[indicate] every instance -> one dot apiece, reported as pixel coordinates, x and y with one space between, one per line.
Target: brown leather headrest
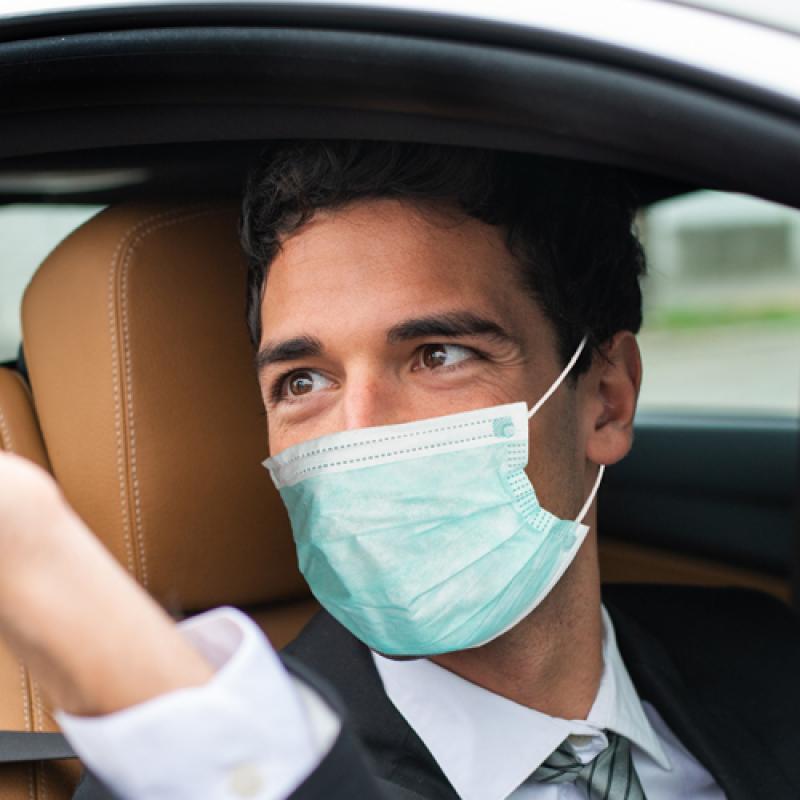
143 380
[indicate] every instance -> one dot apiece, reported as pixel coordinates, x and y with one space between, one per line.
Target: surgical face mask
427 537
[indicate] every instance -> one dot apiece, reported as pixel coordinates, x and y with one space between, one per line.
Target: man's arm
93 638
106 653
342 775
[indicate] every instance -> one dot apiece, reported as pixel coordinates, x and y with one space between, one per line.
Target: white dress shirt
488 746
250 732
255 732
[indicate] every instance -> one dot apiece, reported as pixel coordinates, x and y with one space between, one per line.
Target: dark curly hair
569 224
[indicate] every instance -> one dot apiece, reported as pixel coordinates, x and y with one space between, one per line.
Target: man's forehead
381 258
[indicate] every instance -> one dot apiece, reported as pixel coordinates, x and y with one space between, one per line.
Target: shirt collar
487 745
617 705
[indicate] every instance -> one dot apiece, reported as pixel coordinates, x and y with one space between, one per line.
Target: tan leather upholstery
22 706
19 428
144 385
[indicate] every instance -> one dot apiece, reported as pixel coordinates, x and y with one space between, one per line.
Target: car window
27 234
722 305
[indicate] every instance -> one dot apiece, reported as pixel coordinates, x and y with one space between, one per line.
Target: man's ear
612 392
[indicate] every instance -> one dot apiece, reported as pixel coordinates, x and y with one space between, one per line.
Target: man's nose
372 400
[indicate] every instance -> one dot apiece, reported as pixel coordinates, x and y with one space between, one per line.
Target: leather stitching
26 709
115 381
38 717
41 773
37 707
5 434
8 445
26 715
29 394
37 779
6 441
135 237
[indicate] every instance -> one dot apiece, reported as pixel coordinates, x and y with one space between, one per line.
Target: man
412 307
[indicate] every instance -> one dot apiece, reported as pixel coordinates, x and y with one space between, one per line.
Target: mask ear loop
590 499
544 398
559 380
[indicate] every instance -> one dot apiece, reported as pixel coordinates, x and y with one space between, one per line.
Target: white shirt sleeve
252 731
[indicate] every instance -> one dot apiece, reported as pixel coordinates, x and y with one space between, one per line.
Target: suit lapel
398 753
704 721
733 707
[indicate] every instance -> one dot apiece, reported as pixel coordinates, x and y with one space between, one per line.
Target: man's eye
303 382
433 356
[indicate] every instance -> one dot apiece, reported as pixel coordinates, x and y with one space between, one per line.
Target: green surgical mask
427 537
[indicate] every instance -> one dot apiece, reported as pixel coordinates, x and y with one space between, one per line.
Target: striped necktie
608 776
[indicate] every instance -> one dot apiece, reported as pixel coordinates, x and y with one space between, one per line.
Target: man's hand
94 639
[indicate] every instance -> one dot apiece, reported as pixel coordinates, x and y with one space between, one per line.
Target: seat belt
18 747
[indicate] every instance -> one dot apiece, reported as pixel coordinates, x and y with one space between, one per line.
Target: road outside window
722 306
27 234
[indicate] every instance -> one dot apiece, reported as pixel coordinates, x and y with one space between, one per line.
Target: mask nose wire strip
546 396
590 499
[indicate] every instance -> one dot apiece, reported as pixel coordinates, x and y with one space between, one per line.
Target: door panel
707 497
622 562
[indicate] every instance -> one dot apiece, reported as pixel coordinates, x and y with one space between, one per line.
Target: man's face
383 312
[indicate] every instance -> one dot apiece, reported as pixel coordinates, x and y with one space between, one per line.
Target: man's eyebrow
288 350
450 324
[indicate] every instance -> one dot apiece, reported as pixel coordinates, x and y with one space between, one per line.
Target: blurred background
719 336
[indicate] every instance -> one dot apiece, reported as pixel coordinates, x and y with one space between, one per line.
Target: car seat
146 394
22 705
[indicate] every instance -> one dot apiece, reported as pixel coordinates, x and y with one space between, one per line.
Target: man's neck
552 661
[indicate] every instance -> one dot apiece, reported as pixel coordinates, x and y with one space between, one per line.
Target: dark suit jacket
722 666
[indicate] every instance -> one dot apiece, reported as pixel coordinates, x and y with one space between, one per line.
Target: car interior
134 384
